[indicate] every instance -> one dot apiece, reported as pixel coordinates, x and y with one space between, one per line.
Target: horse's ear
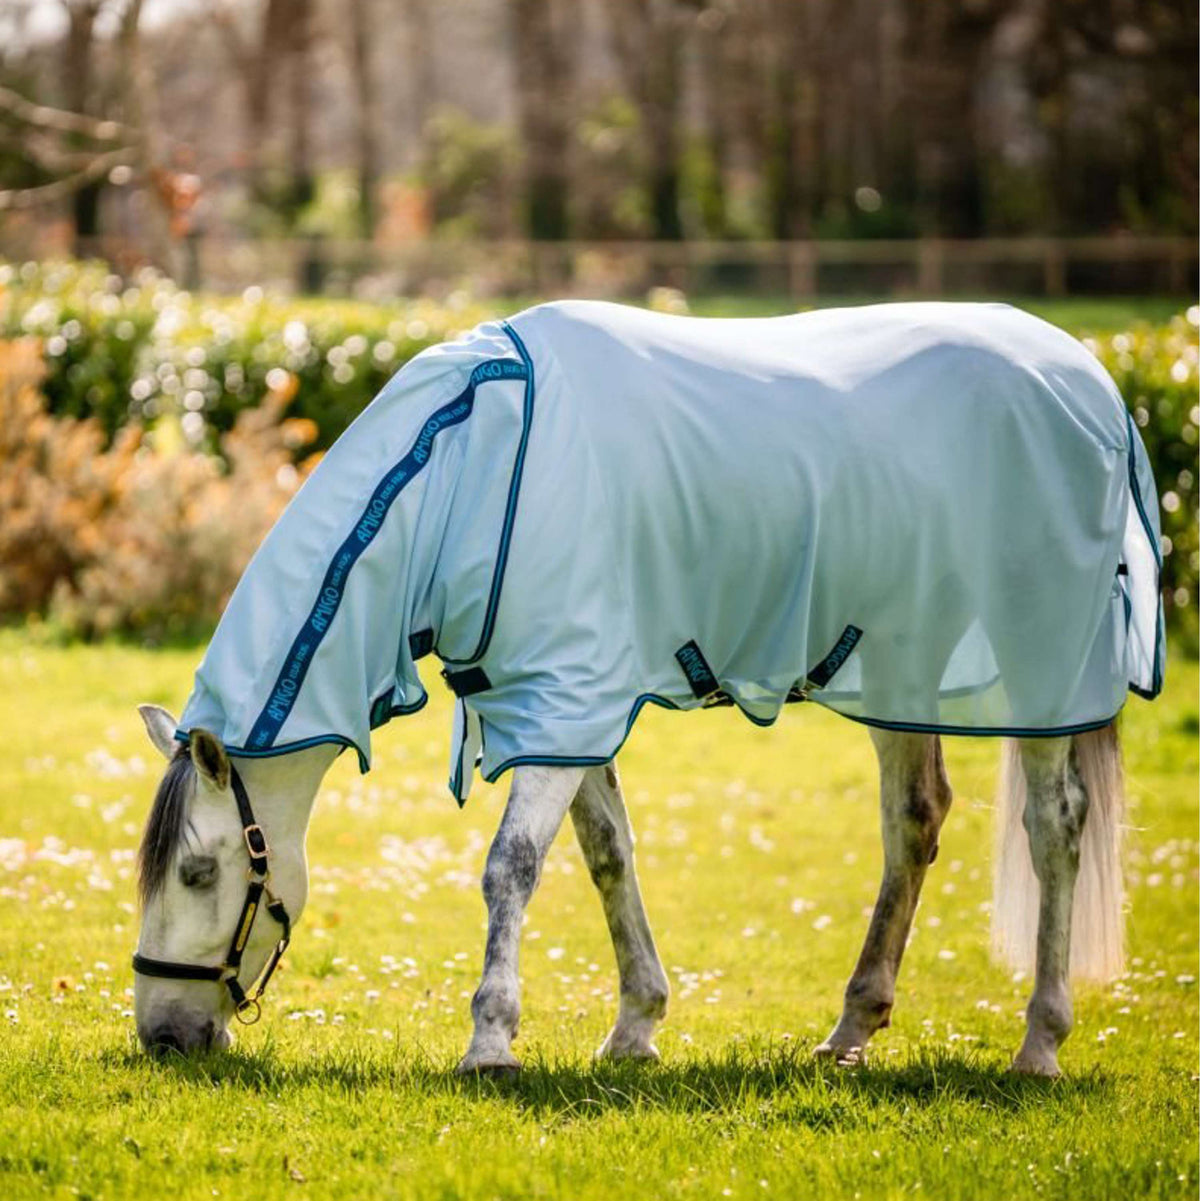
210 759
160 725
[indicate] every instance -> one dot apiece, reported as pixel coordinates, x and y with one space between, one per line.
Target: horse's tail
1097 923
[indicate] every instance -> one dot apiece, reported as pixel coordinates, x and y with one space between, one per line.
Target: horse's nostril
163 1041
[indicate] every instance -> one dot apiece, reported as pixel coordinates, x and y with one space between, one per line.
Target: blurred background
518 147
224 225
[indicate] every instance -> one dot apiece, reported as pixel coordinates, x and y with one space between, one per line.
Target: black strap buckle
467 682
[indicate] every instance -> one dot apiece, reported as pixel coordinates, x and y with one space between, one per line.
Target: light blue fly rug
932 517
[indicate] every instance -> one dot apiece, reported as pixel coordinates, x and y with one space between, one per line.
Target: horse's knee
607 848
608 857
511 872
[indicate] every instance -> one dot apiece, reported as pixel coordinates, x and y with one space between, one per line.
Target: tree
277 50
543 37
648 40
946 51
77 83
365 104
794 79
72 150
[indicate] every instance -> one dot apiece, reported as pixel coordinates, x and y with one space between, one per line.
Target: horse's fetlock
654 1001
869 999
497 1005
1052 1014
647 996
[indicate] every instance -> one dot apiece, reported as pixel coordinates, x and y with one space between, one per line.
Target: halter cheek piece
247 1009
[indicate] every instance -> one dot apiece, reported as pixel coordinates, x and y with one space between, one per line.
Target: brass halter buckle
256 841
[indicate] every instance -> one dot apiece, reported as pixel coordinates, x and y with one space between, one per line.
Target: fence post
929 266
1054 268
802 270
1176 269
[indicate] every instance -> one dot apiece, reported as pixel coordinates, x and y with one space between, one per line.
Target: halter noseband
247 1009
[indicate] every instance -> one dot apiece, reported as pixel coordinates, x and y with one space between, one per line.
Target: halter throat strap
247 1007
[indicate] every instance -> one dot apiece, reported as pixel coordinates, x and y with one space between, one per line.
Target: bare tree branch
45 117
25 198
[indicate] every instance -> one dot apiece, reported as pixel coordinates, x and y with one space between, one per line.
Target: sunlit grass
758 854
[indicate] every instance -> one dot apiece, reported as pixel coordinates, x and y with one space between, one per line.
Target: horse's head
203 854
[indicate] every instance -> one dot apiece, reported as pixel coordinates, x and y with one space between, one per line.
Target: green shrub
1156 370
149 351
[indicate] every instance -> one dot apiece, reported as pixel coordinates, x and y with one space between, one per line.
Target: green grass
758 851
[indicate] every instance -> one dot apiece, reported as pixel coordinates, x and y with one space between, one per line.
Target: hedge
149 353
147 350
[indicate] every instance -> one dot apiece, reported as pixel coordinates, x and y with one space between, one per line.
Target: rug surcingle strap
700 676
824 671
467 682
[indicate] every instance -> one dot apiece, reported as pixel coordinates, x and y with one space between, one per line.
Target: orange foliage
131 538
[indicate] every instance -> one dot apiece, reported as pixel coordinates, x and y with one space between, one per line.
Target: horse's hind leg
606 839
536 807
915 797
1055 810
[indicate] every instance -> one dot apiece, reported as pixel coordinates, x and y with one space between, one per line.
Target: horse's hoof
614 1048
498 1065
844 1057
1032 1064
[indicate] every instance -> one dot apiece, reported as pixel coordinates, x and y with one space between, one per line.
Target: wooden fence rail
800 270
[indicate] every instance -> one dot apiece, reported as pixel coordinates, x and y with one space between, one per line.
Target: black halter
247 1009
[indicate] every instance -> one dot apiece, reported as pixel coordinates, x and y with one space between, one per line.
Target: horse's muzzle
175 1034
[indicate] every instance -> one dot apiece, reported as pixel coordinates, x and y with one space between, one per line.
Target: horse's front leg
536 807
915 796
606 839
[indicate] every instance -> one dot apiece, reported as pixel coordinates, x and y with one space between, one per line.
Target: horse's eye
198 871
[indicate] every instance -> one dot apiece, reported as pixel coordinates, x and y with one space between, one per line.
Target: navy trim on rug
304 744
510 509
1157 671
903 727
299 658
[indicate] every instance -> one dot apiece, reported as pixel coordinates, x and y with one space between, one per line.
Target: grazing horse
931 518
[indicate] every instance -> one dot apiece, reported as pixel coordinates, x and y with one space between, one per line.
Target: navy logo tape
333 587
510 509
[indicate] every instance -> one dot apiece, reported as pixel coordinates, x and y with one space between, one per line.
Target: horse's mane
164 826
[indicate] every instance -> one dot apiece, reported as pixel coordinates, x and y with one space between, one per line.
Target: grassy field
759 855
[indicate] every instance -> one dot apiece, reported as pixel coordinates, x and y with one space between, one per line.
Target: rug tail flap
1141 554
466 750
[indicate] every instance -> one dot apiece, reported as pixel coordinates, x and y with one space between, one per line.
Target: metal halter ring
249 1005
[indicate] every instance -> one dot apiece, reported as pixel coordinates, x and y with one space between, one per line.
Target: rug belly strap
467 682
